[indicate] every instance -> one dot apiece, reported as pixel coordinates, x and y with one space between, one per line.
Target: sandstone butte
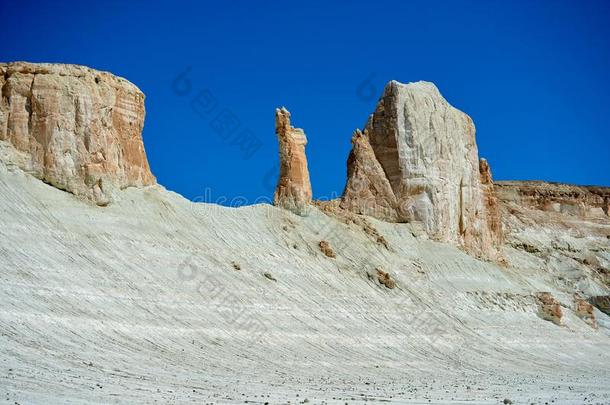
76 128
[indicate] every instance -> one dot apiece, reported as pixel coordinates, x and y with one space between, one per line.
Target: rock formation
492 204
584 310
550 308
426 151
602 302
293 191
385 279
566 227
368 191
75 128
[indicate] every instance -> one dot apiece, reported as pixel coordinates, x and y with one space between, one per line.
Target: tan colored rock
73 127
566 226
559 200
293 191
326 249
584 310
368 191
492 204
385 279
549 308
426 151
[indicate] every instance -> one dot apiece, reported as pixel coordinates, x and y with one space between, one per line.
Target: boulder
549 308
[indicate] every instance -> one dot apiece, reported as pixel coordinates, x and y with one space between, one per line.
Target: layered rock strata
75 128
561 228
293 191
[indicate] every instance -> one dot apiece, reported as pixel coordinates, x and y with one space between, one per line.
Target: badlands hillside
426 282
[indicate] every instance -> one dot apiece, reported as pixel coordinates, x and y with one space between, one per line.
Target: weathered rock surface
385 279
428 154
565 227
602 303
75 128
492 204
550 308
584 310
368 191
558 199
327 249
293 191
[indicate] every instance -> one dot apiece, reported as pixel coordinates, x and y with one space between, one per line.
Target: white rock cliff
428 152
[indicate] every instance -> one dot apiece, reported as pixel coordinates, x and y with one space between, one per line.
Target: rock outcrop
584 310
492 204
75 128
293 191
549 308
602 302
368 191
425 150
566 227
557 199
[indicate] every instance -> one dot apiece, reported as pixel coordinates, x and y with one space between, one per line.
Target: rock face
75 128
558 199
425 150
602 303
549 308
565 227
368 191
293 191
584 310
492 204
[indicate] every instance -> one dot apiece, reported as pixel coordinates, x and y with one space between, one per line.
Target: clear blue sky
534 76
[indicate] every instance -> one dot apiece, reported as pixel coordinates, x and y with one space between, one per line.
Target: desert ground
156 299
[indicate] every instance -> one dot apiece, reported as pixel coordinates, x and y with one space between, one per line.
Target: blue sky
533 75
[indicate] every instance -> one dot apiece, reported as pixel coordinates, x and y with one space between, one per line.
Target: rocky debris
584 310
385 279
326 249
333 209
426 151
368 191
602 302
293 191
76 128
549 308
236 265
